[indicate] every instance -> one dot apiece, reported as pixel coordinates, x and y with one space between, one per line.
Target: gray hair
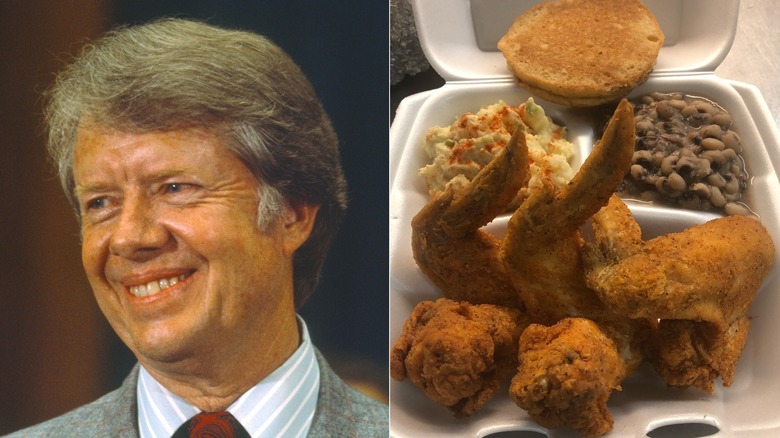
176 74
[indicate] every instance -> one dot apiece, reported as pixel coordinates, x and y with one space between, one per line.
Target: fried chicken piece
708 272
458 353
692 353
541 248
447 242
566 374
542 254
699 283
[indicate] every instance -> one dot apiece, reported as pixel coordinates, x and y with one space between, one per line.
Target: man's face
171 247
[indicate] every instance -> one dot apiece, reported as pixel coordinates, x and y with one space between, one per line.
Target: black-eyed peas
686 155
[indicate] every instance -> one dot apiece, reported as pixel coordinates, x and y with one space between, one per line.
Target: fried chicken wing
458 353
699 283
541 249
542 254
447 242
566 374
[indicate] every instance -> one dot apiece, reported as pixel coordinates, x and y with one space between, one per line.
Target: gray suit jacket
341 412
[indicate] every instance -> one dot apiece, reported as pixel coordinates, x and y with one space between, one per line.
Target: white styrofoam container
458 37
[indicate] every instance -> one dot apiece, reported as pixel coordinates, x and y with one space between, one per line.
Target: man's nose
138 233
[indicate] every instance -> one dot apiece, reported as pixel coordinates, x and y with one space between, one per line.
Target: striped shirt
282 404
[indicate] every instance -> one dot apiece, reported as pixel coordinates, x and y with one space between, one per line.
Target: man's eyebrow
153 177
90 188
167 173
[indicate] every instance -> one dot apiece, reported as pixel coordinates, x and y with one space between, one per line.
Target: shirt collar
282 404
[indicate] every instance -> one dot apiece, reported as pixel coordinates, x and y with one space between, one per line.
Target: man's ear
298 222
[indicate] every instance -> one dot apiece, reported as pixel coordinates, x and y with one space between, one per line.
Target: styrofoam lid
459 37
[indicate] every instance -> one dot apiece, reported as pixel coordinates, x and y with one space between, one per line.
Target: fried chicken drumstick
542 254
699 283
458 353
567 372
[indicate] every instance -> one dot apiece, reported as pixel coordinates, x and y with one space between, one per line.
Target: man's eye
96 204
176 187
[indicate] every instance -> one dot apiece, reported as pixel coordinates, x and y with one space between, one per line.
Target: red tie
211 425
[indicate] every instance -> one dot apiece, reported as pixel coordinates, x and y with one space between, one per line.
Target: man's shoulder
113 414
343 410
370 417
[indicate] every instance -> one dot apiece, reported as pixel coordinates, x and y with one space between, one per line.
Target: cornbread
582 52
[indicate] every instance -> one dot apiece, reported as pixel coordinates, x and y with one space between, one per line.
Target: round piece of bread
583 52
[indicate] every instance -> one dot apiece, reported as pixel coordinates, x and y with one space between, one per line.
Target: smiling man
206 179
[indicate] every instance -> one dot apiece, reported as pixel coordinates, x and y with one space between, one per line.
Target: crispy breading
693 353
699 282
542 254
541 248
566 373
447 242
458 353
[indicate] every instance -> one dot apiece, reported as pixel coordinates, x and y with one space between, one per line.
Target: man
206 179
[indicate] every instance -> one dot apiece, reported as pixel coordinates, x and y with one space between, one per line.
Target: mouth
156 286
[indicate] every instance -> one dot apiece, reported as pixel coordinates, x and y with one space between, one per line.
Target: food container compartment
747 408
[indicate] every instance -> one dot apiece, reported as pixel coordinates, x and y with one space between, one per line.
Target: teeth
153 287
